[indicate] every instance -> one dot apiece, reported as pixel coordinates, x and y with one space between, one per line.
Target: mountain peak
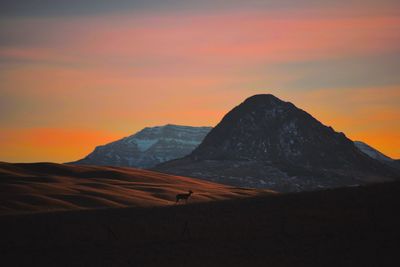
176 126
265 101
262 127
266 98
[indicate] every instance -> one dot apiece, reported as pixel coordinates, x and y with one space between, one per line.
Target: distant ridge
372 152
269 143
148 147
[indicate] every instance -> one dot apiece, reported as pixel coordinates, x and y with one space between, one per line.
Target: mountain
269 143
148 147
372 152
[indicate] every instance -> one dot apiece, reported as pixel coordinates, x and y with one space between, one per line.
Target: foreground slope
269 143
49 186
148 147
355 226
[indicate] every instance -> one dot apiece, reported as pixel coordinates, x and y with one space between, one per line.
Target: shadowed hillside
48 186
355 226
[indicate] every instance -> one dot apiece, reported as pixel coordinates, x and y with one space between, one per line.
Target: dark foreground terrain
356 226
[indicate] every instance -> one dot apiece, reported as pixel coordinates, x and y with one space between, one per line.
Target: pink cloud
239 38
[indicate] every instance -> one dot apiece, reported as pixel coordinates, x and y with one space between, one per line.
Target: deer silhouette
183 196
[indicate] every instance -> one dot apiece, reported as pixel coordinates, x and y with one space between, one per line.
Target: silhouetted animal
183 196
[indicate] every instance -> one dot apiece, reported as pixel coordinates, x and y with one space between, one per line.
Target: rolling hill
39 187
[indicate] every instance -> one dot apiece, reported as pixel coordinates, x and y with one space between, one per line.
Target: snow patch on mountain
144 144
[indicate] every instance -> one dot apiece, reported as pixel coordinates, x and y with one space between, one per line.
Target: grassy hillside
40 187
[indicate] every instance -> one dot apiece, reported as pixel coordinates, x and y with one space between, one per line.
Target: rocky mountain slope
268 143
147 148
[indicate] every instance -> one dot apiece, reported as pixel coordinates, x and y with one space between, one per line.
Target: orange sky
71 82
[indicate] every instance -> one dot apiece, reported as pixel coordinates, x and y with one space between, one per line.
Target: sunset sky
76 74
